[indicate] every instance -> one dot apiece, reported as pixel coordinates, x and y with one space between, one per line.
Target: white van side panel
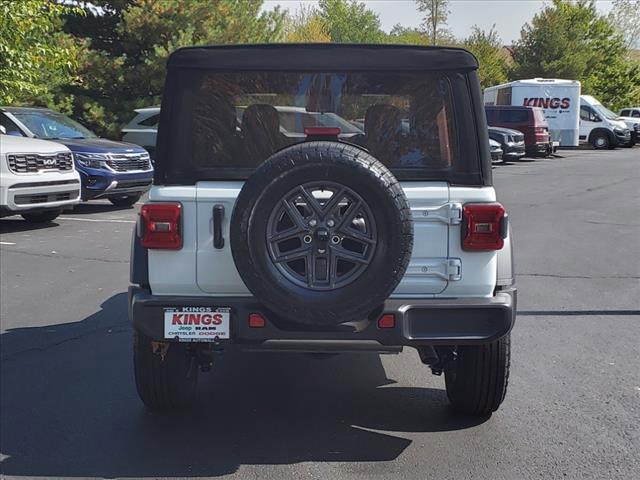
559 99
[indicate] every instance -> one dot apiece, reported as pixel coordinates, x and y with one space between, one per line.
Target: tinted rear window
513 116
151 121
224 124
497 116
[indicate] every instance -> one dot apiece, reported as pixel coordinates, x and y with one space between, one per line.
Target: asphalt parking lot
69 406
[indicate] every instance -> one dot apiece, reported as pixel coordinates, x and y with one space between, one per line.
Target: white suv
330 241
37 178
143 129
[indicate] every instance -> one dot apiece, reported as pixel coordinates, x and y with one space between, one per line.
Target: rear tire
477 379
125 201
41 217
165 380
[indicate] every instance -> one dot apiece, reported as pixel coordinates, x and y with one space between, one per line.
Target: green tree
571 40
610 74
35 56
488 49
306 25
554 44
124 67
408 36
625 17
436 14
350 21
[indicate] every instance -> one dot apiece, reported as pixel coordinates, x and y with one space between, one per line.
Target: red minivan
529 120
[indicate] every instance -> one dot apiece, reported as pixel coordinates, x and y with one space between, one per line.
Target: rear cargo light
484 226
322 131
388 320
256 320
160 223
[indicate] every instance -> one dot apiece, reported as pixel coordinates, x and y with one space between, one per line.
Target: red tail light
161 226
540 129
484 226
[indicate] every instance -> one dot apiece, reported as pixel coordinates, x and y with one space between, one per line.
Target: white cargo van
599 126
559 99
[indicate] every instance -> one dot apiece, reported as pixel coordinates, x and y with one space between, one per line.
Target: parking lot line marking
7 243
95 220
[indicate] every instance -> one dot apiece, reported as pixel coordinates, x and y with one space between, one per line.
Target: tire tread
478 379
163 384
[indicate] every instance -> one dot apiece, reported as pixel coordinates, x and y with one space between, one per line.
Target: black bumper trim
452 321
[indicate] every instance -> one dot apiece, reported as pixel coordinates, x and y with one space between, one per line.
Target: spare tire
321 233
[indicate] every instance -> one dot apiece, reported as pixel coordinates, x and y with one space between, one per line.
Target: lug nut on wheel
335 239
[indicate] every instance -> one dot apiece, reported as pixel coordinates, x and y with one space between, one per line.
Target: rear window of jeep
226 123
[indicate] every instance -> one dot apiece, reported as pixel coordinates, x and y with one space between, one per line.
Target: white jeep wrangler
322 198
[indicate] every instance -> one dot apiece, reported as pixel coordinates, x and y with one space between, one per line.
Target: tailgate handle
218 215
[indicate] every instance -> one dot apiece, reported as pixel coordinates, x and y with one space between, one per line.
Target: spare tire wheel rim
321 235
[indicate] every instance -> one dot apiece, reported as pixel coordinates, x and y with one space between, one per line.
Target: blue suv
121 172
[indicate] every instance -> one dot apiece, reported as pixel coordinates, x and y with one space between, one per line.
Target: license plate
197 324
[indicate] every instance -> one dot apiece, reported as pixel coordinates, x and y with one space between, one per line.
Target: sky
508 15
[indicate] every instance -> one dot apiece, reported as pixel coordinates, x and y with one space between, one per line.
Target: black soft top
323 57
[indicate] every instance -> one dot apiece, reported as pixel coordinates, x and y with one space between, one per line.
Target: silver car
143 129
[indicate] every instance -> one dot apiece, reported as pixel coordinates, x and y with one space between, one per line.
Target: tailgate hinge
454 269
449 213
449 269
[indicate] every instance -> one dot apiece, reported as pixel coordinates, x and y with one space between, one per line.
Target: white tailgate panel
172 272
216 271
430 243
479 269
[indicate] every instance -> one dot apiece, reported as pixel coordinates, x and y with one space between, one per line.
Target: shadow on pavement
87 208
17 225
69 408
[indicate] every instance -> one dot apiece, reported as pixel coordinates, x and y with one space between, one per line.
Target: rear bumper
539 148
513 151
454 321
